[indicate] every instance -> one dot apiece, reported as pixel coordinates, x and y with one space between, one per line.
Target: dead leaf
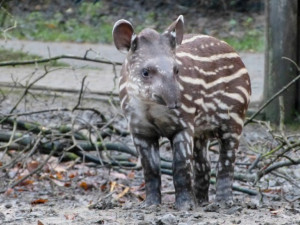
252 157
131 175
9 191
26 182
84 185
39 223
67 184
89 173
118 175
59 175
58 182
71 217
72 175
39 201
142 186
32 165
103 187
275 212
60 169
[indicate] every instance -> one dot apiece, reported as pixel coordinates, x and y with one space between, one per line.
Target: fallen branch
275 166
35 61
47 145
42 88
37 128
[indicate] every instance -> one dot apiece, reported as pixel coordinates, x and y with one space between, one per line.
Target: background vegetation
238 22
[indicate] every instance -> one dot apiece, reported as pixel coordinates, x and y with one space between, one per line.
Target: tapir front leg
182 170
149 150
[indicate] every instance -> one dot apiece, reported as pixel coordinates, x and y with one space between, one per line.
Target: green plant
253 40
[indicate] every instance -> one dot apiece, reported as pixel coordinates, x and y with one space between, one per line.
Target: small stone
8 205
251 205
234 210
36 214
168 219
213 207
185 214
127 205
197 215
140 216
145 223
236 221
203 223
2 216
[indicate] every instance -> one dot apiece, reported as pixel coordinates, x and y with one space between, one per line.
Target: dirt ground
84 193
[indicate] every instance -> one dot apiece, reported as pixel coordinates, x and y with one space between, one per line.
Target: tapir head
150 69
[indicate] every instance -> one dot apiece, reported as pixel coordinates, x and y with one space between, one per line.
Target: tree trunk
282 40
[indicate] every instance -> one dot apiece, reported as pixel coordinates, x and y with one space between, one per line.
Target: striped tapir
188 88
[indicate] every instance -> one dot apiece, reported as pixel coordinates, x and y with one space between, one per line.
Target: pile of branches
91 140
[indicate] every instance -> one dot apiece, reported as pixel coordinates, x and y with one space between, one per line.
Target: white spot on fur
181 88
123 100
190 110
232 144
182 123
178 62
231 135
229 153
227 79
227 162
194 38
188 97
237 118
191 126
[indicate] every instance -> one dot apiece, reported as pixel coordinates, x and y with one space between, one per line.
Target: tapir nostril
178 105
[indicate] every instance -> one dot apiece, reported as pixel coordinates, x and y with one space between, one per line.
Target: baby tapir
188 88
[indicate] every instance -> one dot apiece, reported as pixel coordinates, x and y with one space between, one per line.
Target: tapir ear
122 34
176 29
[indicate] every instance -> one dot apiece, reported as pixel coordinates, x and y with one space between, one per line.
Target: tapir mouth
161 101
176 105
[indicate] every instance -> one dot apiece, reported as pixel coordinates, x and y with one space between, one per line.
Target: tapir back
214 82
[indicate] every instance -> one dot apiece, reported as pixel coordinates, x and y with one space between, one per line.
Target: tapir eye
145 72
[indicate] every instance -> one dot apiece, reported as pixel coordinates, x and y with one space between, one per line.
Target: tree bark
282 22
